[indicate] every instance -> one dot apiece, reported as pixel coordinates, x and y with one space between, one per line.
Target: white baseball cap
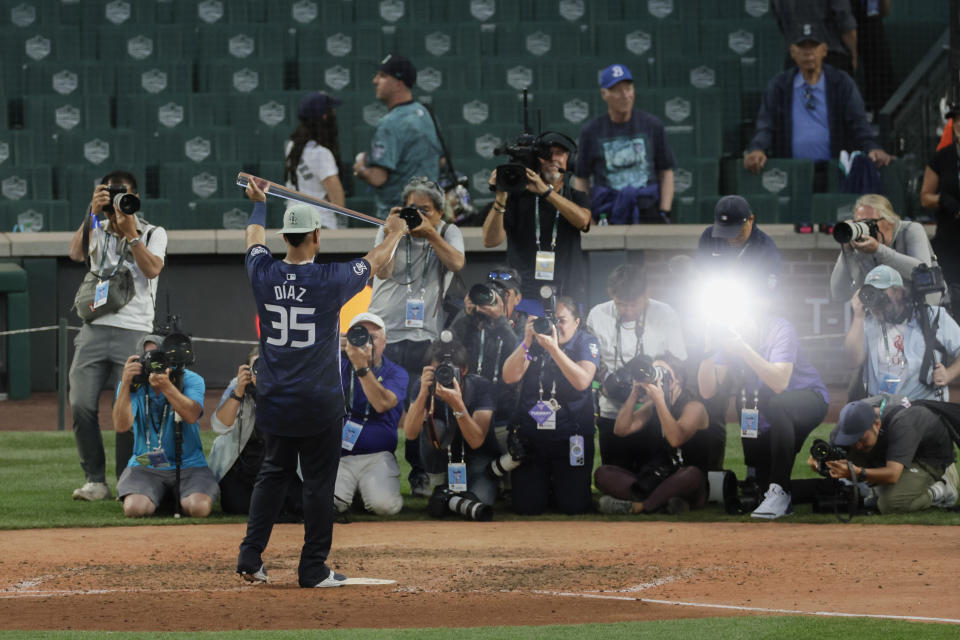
300 218
366 316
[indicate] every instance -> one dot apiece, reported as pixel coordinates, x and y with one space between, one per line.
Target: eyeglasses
808 96
425 181
499 275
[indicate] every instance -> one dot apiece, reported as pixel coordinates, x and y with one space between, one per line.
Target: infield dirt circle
454 574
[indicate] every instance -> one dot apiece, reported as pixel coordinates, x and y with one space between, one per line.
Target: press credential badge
351 433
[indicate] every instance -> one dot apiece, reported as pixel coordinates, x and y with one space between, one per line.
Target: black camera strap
409 262
639 329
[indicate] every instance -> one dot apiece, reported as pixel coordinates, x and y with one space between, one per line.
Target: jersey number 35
289 322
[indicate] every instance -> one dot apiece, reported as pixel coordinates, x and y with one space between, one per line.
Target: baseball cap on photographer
400 68
300 218
366 316
883 277
855 420
313 105
729 215
613 74
505 277
807 32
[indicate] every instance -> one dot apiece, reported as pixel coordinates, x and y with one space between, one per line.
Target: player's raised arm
394 228
256 225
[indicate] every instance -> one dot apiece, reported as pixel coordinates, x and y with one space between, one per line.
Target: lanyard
151 425
617 360
743 398
121 255
366 410
409 268
543 367
536 225
463 454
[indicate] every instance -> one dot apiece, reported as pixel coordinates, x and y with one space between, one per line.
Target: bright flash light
723 301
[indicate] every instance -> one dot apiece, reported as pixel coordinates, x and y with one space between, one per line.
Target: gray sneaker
92 491
333 579
258 576
951 482
613 506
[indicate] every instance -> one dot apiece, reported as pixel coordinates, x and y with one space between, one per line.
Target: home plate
366 581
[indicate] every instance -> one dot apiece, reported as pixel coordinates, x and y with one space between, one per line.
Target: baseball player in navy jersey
299 396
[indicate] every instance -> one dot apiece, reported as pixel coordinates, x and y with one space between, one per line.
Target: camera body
617 385
855 230
514 457
823 452
465 504
925 280
153 361
122 201
544 324
411 215
446 371
358 336
872 298
524 152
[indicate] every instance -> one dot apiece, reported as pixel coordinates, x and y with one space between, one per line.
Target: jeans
98 359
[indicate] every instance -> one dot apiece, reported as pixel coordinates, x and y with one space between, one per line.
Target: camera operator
375 389
781 398
903 450
554 416
488 328
899 340
899 244
629 324
734 242
664 417
542 225
460 416
237 453
174 394
408 290
124 255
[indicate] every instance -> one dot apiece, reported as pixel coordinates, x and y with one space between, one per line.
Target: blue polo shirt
379 429
811 127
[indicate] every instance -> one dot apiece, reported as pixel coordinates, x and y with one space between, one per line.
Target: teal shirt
406 145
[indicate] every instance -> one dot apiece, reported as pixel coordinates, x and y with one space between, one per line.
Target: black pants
319 459
548 479
409 355
236 491
792 416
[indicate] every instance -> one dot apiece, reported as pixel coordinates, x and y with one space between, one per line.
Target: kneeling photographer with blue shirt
162 401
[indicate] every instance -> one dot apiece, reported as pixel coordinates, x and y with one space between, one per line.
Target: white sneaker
92 491
611 505
776 503
333 579
951 485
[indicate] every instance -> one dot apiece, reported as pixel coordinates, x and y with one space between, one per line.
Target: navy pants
547 479
319 458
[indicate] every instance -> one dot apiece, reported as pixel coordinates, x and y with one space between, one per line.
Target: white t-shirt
137 314
316 165
661 333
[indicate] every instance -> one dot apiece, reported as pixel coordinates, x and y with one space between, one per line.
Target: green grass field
39 470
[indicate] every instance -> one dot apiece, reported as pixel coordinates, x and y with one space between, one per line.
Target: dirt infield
454 573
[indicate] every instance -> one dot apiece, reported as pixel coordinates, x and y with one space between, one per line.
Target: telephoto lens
482 295
445 374
358 335
543 326
852 231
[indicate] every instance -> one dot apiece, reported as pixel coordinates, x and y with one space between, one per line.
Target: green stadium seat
447 73
44 43
519 73
498 13
194 13
154 77
102 148
425 42
245 42
694 182
542 40
25 183
124 15
67 78
149 113
47 115
157 211
272 170
39 215
214 212
758 44
17 148
338 76
631 43
188 144
187 182
691 119
299 14
831 207
145 44
241 76
767 208
895 177
791 181
33 13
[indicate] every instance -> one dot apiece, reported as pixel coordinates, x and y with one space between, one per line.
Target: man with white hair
374 389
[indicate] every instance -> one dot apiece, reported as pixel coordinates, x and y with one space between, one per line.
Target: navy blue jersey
298 382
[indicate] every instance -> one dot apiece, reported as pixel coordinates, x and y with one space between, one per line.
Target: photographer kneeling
171 406
904 450
666 416
237 453
458 439
555 364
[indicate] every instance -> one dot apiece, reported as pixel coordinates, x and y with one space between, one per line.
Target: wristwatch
459 414
862 476
546 194
236 397
134 242
362 371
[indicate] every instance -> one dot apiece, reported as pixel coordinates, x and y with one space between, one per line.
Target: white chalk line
733 607
6 594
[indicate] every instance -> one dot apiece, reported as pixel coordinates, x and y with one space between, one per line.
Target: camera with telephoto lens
513 458
122 201
358 335
855 230
153 361
617 385
446 371
925 280
411 215
544 324
823 452
483 295
872 298
464 503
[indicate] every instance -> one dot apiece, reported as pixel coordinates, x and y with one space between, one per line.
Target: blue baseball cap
613 74
314 105
883 277
855 420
